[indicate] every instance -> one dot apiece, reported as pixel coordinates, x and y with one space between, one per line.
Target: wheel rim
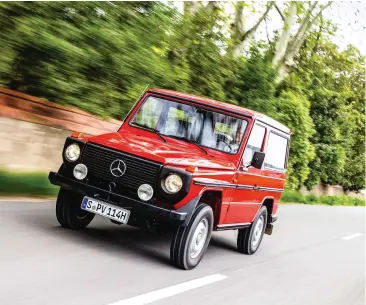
199 238
257 232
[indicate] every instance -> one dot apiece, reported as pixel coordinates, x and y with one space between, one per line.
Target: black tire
180 252
246 236
68 211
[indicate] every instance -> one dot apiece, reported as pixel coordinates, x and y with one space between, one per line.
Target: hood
173 152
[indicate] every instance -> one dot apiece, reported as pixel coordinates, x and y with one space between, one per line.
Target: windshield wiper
189 141
151 129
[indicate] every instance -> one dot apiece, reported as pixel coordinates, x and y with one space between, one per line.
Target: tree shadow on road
218 241
125 239
114 240
109 238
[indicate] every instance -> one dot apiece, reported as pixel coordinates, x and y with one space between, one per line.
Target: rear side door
243 205
273 173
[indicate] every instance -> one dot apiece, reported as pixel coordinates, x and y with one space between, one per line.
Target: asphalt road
315 256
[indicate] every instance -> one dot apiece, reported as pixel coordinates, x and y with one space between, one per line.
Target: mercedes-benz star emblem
118 168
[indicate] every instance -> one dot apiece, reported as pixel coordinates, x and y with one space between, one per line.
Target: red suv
181 163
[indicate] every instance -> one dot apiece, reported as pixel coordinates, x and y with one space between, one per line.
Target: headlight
173 183
145 192
80 171
72 152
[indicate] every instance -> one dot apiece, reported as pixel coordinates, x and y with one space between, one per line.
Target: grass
26 184
297 197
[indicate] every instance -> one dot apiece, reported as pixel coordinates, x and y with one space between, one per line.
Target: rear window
276 152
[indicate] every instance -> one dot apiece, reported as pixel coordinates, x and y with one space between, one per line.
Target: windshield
204 127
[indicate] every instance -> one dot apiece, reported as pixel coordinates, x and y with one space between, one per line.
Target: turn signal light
76 134
191 169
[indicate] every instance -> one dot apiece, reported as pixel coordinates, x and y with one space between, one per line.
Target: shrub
356 201
292 196
312 199
297 197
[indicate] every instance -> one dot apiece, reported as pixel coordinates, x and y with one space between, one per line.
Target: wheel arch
213 198
210 196
268 202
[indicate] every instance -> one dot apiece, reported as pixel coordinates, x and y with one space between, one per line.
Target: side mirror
258 159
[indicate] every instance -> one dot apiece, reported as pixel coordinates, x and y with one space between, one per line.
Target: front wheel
249 239
68 211
190 243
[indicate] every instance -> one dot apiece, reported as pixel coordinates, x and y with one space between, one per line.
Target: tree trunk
191 7
237 27
286 63
282 43
243 37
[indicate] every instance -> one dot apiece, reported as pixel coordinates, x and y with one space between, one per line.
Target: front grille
98 159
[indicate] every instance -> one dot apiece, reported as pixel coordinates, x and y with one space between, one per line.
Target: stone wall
331 190
33 131
26 146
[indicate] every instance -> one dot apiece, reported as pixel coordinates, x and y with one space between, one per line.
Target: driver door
243 206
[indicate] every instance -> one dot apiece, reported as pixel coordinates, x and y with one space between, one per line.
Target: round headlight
173 183
80 171
72 152
145 192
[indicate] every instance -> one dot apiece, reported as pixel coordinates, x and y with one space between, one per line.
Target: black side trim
224 185
244 186
270 189
233 226
238 186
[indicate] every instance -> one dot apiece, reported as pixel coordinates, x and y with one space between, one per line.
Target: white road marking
348 237
167 292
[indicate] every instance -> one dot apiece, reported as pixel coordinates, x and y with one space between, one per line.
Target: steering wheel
222 138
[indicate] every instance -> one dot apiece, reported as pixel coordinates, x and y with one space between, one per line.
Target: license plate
105 209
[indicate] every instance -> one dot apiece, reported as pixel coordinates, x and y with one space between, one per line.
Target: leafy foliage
99 56
334 83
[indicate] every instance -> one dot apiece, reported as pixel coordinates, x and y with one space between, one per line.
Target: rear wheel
190 243
249 239
68 211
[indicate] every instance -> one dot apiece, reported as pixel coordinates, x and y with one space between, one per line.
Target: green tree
333 81
252 85
199 44
96 56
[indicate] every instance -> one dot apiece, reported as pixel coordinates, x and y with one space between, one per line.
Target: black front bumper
140 211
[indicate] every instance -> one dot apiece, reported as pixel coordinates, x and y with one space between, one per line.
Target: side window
276 152
254 143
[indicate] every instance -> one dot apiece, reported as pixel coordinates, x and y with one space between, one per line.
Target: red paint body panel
214 171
